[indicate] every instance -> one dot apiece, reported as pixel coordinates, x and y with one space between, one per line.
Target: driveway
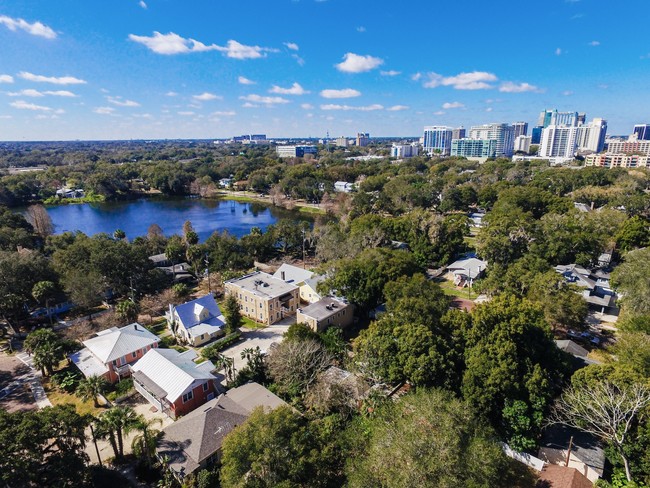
262 338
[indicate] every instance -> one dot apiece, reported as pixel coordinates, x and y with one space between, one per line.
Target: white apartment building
591 137
522 143
503 133
437 140
559 143
404 150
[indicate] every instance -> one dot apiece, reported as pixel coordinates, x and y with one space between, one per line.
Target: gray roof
585 447
195 437
88 364
202 314
115 343
472 266
292 274
323 308
173 372
263 285
572 348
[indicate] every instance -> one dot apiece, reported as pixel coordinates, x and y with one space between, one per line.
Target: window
245 299
260 305
260 316
271 306
206 386
188 396
134 354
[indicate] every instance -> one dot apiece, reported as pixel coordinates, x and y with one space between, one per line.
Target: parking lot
15 392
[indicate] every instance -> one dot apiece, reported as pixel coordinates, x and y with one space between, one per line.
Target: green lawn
59 397
450 289
312 210
251 324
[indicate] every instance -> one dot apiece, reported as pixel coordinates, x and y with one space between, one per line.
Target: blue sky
216 68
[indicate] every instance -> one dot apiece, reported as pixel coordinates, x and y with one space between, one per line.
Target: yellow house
306 280
326 312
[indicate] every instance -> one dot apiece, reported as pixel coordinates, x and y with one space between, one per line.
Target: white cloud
294 89
416 76
489 109
439 112
142 4
355 63
174 44
398 108
292 45
361 29
104 110
6 79
61 80
299 60
228 113
307 106
390 73
245 81
265 100
187 113
122 103
344 93
206 96
23 105
567 93
6 117
29 92
36 29
558 51
475 80
171 94
250 105
366 108
449 105
511 87
594 43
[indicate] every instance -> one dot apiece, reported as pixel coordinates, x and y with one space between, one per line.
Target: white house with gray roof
197 321
306 280
111 351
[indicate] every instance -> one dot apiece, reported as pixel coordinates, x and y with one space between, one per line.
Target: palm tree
47 348
144 444
228 366
117 423
91 387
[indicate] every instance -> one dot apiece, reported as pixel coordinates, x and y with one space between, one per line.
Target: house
179 271
196 322
194 442
477 219
597 290
343 187
326 312
69 193
172 382
587 454
264 298
466 270
572 348
306 280
110 353
554 476
226 182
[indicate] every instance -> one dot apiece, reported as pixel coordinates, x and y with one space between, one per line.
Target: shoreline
252 197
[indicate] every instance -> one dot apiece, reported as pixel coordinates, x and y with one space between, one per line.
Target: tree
43 447
295 365
119 234
43 292
127 310
40 220
116 423
233 314
91 388
632 281
606 410
48 349
426 439
634 233
144 444
268 450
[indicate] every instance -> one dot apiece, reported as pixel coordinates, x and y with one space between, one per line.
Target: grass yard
59 397
450 289
251 324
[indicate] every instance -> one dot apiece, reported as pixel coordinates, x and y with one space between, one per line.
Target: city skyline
301 68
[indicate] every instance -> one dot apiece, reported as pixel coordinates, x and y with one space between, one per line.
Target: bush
211 351
120 389
66 380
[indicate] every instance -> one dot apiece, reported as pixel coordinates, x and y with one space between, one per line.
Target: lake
135 217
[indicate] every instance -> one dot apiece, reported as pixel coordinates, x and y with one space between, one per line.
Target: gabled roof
292 274
585 447
473 266
572 348
189 313
115 343
173 372
197 436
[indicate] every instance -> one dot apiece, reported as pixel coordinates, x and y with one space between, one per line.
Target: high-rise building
642 132
404 150
631 146
341 141
295 151
522 143
437 140
503 133
520 128
591 137
474 148
536 134
559 143
553 117
363 139
458 133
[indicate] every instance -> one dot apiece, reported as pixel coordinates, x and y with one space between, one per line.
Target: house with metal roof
194 442
172 382
111 351
197 321
326 312
466 270
264 298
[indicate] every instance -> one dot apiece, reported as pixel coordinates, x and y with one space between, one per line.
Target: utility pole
92 432
207 273
303 248
132 289
568 454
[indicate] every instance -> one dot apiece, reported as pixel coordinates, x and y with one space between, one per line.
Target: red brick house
172 382
111 351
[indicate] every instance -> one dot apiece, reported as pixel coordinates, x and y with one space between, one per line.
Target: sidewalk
34 381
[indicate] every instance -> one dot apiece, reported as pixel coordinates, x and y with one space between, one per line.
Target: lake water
135 217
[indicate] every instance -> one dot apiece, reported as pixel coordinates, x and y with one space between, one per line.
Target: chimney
282 275
592 205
